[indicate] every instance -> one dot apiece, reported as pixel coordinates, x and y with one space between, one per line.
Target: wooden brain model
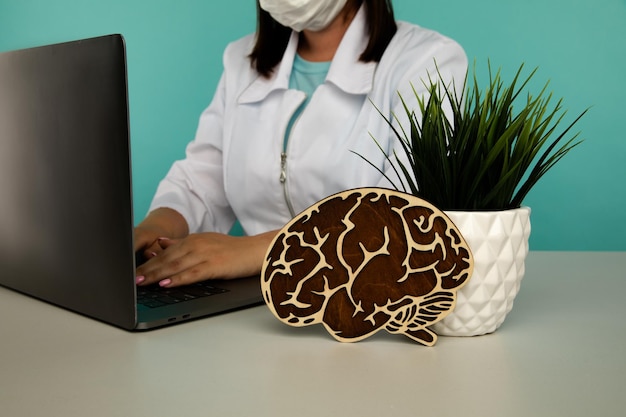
365 260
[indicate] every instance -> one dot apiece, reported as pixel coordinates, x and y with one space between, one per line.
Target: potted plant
475 154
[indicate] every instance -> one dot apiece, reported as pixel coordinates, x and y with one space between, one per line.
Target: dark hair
272 37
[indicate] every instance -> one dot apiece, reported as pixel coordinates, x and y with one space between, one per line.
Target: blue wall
174 59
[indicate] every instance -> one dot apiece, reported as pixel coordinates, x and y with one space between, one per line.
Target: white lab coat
233 167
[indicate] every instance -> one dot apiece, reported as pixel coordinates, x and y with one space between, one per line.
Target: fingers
178 265
197 257
164 242
155 247
144 238
186 277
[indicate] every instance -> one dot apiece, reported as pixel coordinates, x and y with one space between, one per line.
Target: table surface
560 352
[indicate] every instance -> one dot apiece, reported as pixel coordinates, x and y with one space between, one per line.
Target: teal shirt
306 76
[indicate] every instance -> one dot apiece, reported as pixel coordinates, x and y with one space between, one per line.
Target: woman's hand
201 256
162 222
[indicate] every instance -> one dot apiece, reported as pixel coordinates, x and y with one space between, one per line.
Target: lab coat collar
346 71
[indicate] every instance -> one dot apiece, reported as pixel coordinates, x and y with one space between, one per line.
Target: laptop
66 215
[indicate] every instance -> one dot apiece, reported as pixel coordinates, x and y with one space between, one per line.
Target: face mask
303 14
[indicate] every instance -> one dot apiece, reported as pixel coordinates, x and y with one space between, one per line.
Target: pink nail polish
139 279
165 282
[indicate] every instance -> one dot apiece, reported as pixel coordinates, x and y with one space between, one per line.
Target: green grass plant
478 149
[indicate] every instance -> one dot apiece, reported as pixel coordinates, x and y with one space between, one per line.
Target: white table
561 352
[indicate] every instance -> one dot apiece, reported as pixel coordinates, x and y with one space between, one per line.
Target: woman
293 106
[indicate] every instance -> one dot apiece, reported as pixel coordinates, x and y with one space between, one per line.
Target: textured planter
499 243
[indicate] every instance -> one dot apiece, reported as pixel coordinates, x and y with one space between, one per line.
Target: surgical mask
313 15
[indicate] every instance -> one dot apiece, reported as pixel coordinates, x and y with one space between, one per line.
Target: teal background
174 62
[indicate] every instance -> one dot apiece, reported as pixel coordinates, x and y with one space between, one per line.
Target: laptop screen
66 206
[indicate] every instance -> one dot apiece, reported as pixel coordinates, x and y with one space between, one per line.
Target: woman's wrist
165 222
257 247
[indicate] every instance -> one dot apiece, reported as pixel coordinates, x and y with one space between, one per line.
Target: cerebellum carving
365 260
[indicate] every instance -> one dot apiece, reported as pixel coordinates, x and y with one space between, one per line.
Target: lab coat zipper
283 163
283 181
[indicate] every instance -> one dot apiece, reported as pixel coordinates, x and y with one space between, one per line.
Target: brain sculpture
365 260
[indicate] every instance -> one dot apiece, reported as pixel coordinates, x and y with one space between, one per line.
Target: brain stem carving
365 260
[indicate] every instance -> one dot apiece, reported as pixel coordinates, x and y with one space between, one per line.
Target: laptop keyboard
154 296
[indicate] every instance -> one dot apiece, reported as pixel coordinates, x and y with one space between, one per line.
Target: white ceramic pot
499 243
